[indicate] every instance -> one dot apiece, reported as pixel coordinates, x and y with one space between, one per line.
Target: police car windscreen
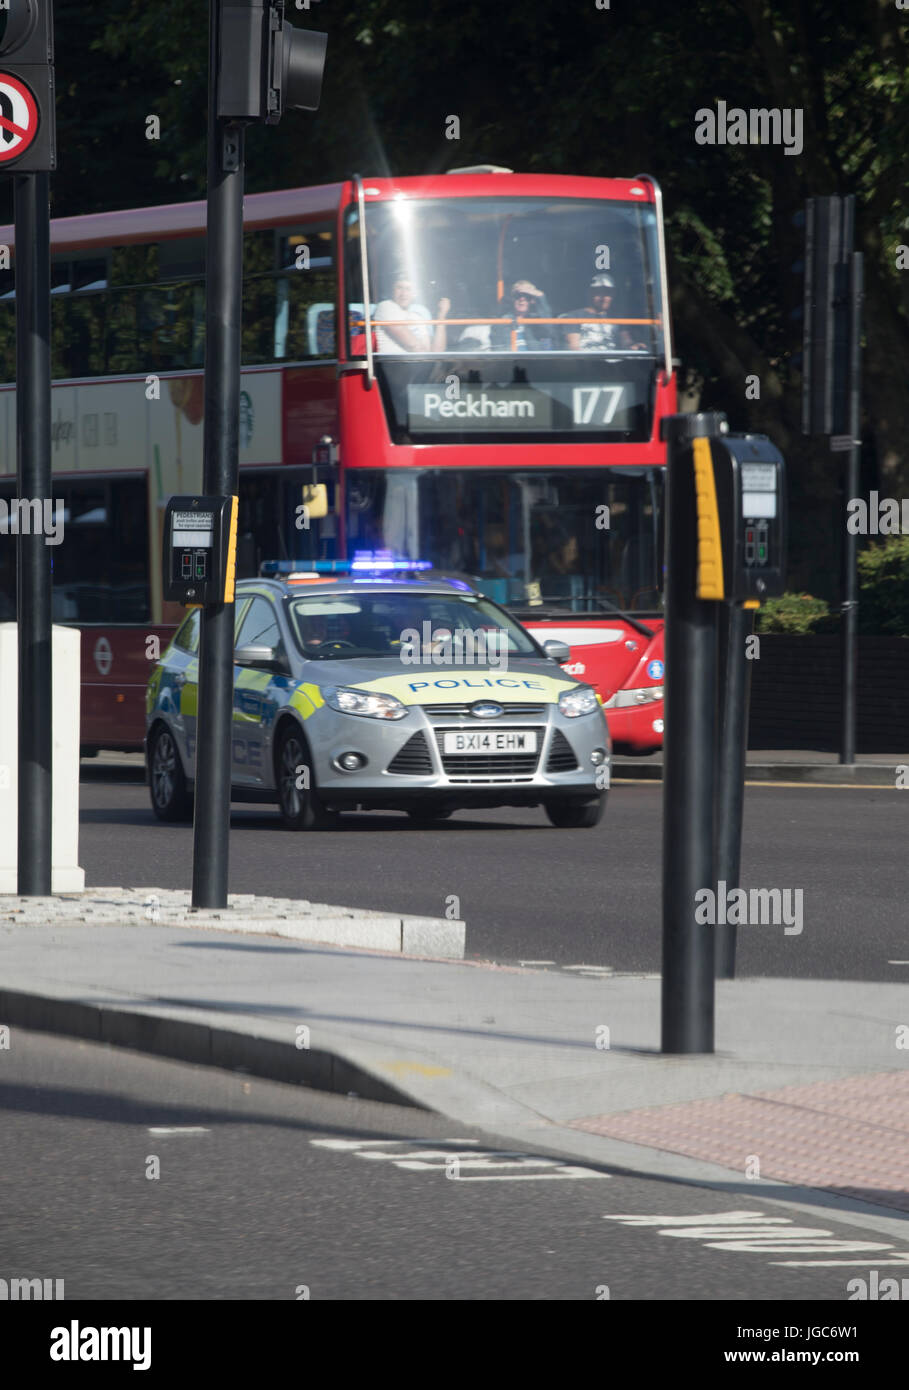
329 627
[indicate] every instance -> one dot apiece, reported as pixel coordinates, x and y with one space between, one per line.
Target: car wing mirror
267 657
557 651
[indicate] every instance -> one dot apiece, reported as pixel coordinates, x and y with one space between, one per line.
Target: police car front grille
414 759
494 768
561 754
510 707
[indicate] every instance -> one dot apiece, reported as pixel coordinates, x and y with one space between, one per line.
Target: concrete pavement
806 1098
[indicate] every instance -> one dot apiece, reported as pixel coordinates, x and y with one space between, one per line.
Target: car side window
259 627
187 638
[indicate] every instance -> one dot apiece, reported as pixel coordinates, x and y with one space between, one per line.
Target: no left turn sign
18 117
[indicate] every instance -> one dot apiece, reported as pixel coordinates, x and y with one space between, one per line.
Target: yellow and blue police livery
378 691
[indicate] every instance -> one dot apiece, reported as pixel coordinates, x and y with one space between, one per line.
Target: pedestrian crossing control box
740 485
199 563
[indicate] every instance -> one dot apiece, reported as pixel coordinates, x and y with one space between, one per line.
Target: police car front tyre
300 805
576 815
170 796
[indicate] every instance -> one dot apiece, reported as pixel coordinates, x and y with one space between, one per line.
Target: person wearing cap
595 334
524 302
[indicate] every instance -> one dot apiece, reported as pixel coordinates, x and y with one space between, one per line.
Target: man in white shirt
417 334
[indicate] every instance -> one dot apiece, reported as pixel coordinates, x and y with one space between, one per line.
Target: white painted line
564 1174
836 1264
593 969
898 962
351 1145
751 1232
179 1129
536 962
506 1162
439 1155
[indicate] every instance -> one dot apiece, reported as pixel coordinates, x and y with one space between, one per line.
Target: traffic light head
303 62
27 119
264 64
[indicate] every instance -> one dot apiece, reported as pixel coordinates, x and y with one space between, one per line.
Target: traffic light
829 237
28 141
265 65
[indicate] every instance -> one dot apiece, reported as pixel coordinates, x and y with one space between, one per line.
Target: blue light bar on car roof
385 560
373 561
272 569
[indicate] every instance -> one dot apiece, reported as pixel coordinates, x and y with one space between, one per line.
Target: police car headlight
374 704
580 700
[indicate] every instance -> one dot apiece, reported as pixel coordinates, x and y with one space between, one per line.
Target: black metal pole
730 802
850 541
31 193
223 310
688 757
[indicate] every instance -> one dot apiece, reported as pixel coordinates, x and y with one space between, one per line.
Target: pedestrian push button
200 549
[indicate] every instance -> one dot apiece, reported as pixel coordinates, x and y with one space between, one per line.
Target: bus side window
304 320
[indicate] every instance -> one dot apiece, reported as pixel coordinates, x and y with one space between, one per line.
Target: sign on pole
19 117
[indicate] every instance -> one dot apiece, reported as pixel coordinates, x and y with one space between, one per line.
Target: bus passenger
595 334
417 334
526 301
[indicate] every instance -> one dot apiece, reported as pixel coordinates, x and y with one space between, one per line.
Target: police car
379 691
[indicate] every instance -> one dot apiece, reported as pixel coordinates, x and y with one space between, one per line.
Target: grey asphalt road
530 892
135 1178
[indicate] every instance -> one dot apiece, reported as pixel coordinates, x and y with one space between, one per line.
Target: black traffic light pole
258 65
33 579
221 471
854 271
831 400
689 756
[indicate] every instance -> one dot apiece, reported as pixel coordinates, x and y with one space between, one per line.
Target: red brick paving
849 1136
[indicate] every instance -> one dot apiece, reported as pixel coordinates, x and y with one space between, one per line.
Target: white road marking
505 1161
445 1155
566 1173
898 1258
349 1145
450 1158
595 969
751 1232
179 1129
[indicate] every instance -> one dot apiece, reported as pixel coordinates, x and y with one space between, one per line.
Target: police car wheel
301 808
576 815
170 796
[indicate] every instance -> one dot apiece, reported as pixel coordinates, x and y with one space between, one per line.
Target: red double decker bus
469 368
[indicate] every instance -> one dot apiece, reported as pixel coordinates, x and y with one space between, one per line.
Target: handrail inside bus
411 323
364 270
664 273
